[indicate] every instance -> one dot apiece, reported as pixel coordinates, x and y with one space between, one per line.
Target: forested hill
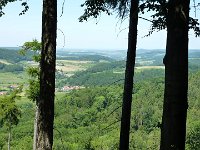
95 109
95 113
13 56
149 64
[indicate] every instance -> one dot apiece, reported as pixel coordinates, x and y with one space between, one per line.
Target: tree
33 93
131 54
3 3
47 76
174 15
175 106
129 74
9 112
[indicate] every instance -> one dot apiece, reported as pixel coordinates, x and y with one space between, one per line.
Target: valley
89 88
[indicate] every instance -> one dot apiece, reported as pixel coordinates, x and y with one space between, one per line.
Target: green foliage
13 68
2 65
89 118
34 47
107 74
95 8
193 136
158 7
9 112
159 18
34 72
10 68
3 3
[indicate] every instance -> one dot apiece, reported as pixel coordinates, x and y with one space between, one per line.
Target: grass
13 78
150 67
71 66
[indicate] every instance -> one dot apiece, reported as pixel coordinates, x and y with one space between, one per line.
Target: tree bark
35 127
47 76
175 106
129 74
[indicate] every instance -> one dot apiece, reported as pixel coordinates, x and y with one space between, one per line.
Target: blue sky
106 34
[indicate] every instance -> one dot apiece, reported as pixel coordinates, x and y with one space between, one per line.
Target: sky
106 32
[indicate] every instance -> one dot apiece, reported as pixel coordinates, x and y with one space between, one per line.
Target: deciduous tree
47 76
9 112
173 130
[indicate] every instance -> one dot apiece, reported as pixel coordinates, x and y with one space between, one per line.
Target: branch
111 124
63 4
63 36
113 111
145 19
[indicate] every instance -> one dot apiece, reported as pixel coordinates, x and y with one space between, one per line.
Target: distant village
69 88
63 89
10 88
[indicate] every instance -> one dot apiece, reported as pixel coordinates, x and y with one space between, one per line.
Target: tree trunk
129 74
35 128
9 136
175 106
47 76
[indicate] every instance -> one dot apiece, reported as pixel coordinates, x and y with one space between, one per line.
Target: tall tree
122 8
175 106
9 112
47 76
33 91
129 74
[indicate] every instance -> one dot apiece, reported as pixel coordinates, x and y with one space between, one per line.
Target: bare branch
63 4
111 124
145 19
63 36
113 111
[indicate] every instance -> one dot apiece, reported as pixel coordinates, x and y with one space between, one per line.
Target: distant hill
13 56
84 57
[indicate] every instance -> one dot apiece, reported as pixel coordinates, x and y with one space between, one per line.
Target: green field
10 78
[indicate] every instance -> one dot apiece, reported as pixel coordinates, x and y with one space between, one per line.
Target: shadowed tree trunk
173 128
129 74
47 76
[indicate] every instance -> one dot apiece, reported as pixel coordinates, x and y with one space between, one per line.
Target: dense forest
89 118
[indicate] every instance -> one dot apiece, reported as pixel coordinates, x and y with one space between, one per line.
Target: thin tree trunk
35 128
47 76
129 74
173 130
9 136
